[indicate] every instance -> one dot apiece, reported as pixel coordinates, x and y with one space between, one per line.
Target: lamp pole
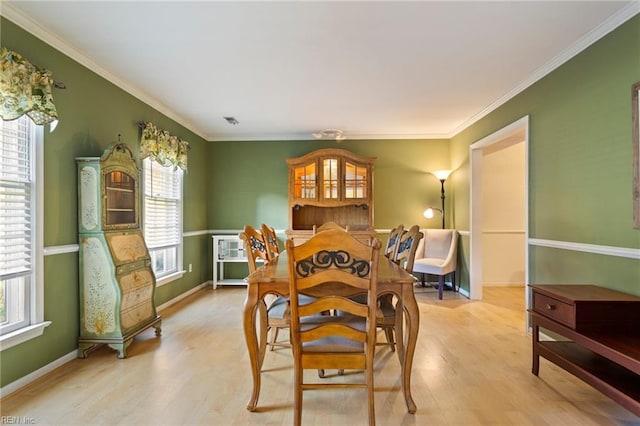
442 176
442 198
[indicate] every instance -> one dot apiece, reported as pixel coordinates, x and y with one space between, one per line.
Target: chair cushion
429 265
280 308
334 343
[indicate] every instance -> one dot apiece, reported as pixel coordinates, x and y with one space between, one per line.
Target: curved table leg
262 310
251 337
399 329
413 321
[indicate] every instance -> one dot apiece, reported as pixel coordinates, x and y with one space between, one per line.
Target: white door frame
512 134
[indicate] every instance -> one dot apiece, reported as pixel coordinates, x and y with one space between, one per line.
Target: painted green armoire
117 283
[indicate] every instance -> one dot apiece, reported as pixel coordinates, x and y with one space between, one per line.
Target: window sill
168 278
20 336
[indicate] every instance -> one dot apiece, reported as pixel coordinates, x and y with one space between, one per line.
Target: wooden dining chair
270 238
404 256
255 246
329 260
278 310
392 241
327 226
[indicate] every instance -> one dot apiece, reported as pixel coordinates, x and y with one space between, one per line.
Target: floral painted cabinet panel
117 283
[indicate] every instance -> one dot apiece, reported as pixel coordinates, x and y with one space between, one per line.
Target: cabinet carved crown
330 185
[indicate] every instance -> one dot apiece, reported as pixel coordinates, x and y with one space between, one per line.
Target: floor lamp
442 176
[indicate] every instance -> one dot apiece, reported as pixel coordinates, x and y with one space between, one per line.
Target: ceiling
283 70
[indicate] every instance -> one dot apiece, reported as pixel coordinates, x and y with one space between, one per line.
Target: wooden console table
604 328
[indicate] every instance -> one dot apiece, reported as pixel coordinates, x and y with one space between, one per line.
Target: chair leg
453 281
370 396
274 337
422 279
297 397
388 331
440 286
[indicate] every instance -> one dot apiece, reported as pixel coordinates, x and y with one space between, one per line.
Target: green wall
92 112
249 180
580 168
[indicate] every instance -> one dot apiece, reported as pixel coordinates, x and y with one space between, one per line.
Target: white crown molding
587 248
11 13
626 13
622 16
349 136
52 39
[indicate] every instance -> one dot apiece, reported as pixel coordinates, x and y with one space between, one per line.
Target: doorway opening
506 138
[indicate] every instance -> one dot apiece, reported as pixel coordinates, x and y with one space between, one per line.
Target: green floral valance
25 89
162 147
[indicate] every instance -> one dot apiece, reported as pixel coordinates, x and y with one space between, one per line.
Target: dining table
273 278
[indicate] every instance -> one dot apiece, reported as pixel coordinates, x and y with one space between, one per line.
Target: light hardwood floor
472 367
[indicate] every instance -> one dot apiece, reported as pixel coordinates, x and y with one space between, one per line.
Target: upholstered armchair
437 255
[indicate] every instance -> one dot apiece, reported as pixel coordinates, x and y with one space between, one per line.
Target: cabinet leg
121 348
535 336
85 348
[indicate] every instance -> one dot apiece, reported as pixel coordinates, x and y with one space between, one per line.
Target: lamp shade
442 174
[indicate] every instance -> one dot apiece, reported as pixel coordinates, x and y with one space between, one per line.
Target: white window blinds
17 229
15 198
162 215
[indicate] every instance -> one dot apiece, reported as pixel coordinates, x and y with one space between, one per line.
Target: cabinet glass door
119 198
305 181
330 179
355 181
231 249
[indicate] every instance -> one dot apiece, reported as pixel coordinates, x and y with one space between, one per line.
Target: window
163 218
21 304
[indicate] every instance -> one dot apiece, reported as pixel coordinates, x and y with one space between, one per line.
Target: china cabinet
117 284
330 185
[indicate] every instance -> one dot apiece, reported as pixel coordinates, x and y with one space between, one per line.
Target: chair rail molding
68 248
72 248
587 248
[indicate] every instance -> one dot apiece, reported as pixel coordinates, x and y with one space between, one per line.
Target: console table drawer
555 309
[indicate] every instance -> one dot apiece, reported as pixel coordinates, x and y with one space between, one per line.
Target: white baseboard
25 380
181 296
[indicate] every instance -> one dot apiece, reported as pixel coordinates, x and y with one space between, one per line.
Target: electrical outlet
190 267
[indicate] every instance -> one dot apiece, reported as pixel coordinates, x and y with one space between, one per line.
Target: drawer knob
550 307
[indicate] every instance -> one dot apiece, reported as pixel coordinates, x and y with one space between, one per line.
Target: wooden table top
277 271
